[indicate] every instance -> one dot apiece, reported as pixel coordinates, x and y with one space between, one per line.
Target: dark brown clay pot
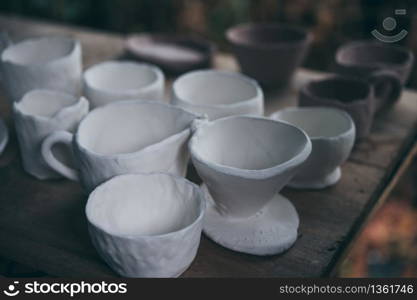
175 54
269 52
387 67
349 94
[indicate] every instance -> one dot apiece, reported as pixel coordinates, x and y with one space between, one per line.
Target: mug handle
391 87
56 137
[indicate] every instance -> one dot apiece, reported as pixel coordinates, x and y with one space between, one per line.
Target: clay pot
352 95
244 163
332 134
146 225
124 137
218 94
38 114
387 67
52 63
269 52
122 80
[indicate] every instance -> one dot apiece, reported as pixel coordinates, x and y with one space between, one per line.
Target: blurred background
388 244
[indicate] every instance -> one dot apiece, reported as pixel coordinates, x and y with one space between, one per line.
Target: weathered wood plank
42 223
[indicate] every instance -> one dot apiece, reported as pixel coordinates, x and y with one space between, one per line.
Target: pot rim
340 112
149 148
258 90
265 173
365 43
308 35
159 77
201 206
75 44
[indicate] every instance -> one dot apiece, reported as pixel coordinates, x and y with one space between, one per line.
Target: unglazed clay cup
218 94
146 225
52 63
387 67
38 114
269 52
352 95
244 162
124 137
123 80
332 134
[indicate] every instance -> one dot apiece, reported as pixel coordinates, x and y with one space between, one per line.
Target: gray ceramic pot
269 52
385 66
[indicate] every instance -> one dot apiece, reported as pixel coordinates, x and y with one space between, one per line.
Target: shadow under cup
349 94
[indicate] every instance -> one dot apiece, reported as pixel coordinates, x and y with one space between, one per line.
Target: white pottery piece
244 162
146 225
123 80
218 94
332 134
52 63
124 137
38 114
4 136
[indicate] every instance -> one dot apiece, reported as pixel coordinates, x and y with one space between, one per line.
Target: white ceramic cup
332 134
146 225
218 94
244 162
122 80
124 137
52 63
38 114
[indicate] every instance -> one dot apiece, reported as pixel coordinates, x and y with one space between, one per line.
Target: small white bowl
218 94
332 134
244 162
146 225
123 80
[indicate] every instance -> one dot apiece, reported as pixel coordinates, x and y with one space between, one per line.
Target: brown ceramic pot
269 52
349 94
387 67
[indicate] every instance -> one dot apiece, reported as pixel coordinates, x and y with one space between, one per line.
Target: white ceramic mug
124 137
244 162
218 94
332 134
123 80
38 114
52 63
146 225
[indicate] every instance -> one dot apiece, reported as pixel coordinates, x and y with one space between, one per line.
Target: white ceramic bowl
332 133
146 225
122 80
218 94
244 162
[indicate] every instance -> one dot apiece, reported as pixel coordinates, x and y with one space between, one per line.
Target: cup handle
65 138
387 87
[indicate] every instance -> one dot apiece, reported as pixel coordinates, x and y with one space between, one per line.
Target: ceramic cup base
320 183
270 231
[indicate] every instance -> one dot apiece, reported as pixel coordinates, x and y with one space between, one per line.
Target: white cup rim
74 45
258 90
156 71
248 173
347 132
201 207
129 155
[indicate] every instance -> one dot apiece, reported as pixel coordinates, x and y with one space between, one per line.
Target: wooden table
42 223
